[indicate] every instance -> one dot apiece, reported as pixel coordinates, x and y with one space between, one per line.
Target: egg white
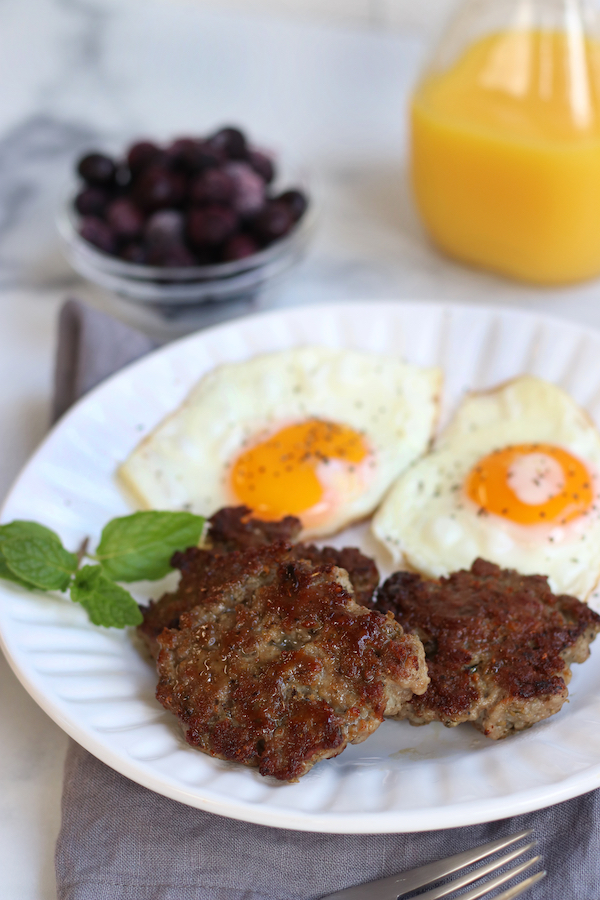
428 523
185 462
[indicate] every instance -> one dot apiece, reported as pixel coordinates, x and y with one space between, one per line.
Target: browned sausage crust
233 529
498 644
278 667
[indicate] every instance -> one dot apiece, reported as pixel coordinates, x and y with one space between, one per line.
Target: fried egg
313 432
513 479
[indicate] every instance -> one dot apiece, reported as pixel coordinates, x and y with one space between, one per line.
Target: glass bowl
164 286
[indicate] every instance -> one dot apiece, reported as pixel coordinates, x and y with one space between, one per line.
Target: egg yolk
279 476
531 483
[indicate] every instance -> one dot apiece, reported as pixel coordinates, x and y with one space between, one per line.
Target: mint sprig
132 548
139 547
8 575
36 556
106 602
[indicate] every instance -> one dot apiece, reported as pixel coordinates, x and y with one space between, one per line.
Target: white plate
96 685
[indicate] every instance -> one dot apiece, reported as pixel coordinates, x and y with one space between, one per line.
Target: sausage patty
498 644
278 667
233 529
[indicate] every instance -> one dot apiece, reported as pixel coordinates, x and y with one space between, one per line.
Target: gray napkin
91 346
120 841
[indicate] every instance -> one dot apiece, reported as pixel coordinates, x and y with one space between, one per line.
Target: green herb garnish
36 556
138 547
8 574
106 602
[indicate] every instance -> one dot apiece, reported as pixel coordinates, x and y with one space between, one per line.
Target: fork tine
483 890
480 872
398 885
522 886
416 878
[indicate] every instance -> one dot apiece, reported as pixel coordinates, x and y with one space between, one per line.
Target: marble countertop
79 72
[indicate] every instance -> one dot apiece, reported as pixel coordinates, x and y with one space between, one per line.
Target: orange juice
506 156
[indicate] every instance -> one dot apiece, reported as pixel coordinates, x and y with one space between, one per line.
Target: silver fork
400 885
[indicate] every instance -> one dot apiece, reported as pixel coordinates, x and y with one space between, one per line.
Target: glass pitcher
505 139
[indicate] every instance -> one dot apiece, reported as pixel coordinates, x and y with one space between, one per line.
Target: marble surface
388 14
79 72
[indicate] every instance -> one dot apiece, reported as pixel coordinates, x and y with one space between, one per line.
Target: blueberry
164 229
195 201
124 218
209 156
262 165
190 156
239 246
179 152
273 222
175 255
249 189
231 141
206 256
142 154
91 201
213 186
97 169
296 201
157 188
97 232
208 226
134 253
122 176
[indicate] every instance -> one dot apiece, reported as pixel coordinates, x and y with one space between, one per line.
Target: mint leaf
8 575
139 547
21 529
35 555
107 603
